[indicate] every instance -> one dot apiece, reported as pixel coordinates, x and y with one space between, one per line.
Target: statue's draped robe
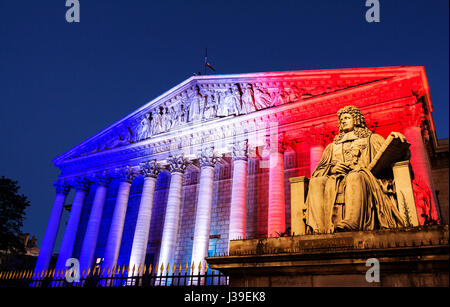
367 202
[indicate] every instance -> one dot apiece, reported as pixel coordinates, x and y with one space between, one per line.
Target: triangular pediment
203 99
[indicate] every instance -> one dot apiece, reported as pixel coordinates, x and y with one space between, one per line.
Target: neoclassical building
210 160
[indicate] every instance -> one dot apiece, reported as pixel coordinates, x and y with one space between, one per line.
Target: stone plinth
407 257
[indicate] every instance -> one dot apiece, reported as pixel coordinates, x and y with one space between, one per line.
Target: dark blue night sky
61 82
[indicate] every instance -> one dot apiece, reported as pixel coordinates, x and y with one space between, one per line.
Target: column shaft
48 242
70 232
203 217
93 227
171 221
276 213
238 200
141 233
117 224
316 152
421 166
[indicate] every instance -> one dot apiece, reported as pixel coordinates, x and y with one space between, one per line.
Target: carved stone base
407 257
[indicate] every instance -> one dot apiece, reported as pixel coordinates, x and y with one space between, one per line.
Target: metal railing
120 276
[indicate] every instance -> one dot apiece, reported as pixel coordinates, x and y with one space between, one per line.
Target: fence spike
167 268
199 267
179 269
192 268
186 268
206 266
161 269
150 269
123 269
107 272
139 269
88 271
144 269
132 272
1 275
174 267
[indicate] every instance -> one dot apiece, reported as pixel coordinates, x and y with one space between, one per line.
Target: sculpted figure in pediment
196 106
165 120
173 116
210 108
248 101
233 101
222 109
280 97
262 98
180 115
121 136
157 121
144 129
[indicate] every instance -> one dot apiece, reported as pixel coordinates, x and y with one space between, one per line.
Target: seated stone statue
343 193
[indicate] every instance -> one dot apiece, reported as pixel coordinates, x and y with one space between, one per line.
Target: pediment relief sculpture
198 104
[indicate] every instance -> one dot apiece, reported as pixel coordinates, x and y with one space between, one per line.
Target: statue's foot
342 227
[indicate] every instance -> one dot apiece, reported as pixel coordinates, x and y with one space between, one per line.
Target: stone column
118 219
48 242
208 160
316 151
177 167
238 192
318 138
413 119
90 238
276 212
150 169
421 166
81 186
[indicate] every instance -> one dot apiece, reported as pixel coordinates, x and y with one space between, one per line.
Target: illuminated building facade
210 160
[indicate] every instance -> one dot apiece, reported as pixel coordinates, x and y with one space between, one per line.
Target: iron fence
120 276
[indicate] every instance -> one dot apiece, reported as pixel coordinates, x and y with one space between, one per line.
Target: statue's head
351 119
355 113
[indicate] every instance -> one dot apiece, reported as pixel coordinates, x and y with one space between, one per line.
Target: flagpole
206 61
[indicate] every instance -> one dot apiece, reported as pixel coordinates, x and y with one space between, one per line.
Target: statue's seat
404 196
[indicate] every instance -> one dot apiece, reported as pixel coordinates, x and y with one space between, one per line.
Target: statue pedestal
407 257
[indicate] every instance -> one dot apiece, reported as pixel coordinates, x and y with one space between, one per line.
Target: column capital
412 115
150 168
277 143
178 164
80 183
126 173
102 178
208 157
240 150
62 186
